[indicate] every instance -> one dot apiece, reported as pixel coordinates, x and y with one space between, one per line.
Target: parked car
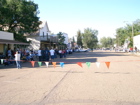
83 50
77 50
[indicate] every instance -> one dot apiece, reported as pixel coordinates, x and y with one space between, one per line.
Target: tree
19 17
61 38
90 39
79 38
73 40
124 33
107 42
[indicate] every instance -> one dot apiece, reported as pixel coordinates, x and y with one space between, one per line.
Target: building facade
136 42
43 38
4 38
7 41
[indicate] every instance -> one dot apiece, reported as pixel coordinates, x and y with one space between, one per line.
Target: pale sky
106 16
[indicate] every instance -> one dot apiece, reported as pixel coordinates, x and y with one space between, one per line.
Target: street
72 84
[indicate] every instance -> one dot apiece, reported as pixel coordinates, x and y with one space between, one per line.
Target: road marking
45 99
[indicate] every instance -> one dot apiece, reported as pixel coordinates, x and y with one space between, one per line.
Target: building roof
43 24
2 41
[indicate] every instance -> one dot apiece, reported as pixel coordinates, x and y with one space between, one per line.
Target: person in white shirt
60 53
17 59
39 54
52 53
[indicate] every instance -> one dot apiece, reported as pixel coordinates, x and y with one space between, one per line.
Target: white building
43 38
66 38
44 29
136 42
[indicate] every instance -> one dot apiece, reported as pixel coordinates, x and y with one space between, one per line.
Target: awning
3 41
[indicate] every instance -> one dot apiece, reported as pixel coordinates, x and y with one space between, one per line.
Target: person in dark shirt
47 54
43 53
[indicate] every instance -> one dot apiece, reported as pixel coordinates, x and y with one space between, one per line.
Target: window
43 34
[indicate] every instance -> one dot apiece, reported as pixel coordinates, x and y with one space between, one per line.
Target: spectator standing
43 53
47 54
52 54
64 53
9 52
56 53
39 54
17 59
60 53
135 49
67 51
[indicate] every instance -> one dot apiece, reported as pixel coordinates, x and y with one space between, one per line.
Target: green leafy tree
73 40
103 42
124 33
107 42
19 17
79 38
90 39
61 38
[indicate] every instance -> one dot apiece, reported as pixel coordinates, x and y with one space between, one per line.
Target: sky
106 16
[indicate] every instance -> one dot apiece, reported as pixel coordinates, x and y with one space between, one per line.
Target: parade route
72 84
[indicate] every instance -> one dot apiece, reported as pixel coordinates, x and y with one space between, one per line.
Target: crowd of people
43 54
50 55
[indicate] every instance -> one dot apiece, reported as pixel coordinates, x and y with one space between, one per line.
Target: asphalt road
72 84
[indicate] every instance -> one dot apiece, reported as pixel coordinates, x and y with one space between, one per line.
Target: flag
107 64
62 64
80 64
88 64
54 64
47 63
39 63
98 64
32 63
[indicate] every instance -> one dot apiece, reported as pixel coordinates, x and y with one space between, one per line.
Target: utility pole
132 35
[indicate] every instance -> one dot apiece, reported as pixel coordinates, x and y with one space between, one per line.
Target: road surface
74 85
